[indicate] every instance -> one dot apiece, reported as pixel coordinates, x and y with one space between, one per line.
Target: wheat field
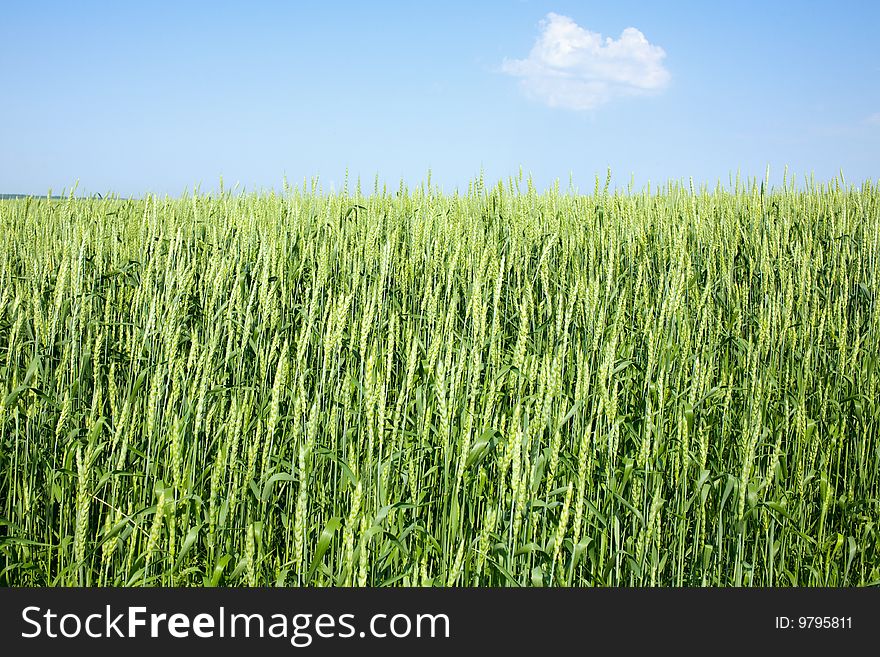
498 387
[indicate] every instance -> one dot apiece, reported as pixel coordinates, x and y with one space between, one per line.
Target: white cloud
574 68
874 119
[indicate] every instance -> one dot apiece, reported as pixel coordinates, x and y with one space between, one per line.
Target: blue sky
160 97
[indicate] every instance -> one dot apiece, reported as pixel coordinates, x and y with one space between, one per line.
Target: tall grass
504 387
